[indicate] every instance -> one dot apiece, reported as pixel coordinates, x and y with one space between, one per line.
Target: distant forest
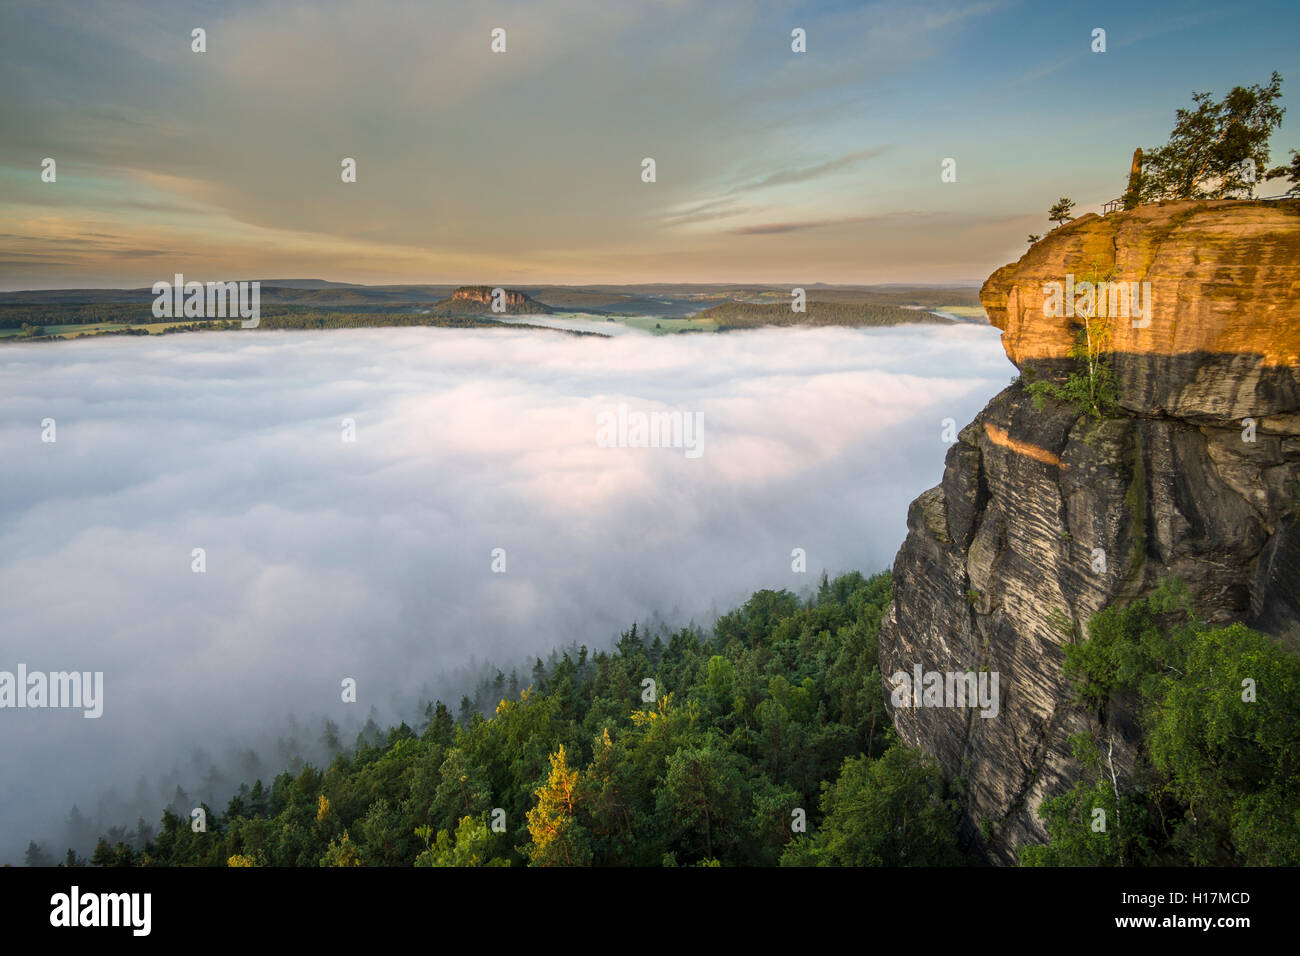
748 315
37 320
44 314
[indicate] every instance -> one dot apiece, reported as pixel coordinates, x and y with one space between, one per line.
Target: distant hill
310 284
308 292
477 300
657 299
751 315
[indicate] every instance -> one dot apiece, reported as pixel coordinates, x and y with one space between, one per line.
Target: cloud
524 165
709 211
806 173
768 228
327 559
725 207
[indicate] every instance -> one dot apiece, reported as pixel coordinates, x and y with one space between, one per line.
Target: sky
526 166
373 559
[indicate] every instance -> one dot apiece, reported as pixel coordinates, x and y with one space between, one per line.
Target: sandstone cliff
477 300
1005 548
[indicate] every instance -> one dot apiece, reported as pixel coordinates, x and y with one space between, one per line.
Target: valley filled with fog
326 558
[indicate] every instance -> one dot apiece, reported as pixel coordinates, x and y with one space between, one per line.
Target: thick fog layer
373 559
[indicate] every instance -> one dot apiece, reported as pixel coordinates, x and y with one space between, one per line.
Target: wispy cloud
769 228
708 211
806 173
526 165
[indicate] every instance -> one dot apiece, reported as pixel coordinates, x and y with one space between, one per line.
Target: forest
37 321
765 742
1215 780
749 315
768 743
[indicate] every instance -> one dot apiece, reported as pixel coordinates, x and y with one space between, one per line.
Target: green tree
441 724
558 838
341 852
36 856
886 812
1097 822
1091 386
721 680
103 855
1217 149
1060 212
612 799
463 791
469 846
771 821
1218 759
1290 172
699 800
257 800
1225 733
383 834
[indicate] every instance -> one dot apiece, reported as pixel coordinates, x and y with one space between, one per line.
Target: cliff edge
1045 516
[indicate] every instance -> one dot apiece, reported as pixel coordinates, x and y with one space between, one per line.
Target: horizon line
956 283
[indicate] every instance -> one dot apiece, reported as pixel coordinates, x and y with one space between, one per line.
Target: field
71 331
661 325
965 311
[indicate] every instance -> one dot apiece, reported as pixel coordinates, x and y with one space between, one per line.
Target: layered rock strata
1046 516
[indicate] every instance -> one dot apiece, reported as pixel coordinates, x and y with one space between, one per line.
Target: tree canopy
1217 773
1218 149
759 736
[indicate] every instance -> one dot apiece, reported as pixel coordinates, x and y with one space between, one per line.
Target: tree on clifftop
1217 150
1291 172
1060 213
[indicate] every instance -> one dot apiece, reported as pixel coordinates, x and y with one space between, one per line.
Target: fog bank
373 558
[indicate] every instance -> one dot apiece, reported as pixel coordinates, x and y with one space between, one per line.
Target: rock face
1044 516
477 299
